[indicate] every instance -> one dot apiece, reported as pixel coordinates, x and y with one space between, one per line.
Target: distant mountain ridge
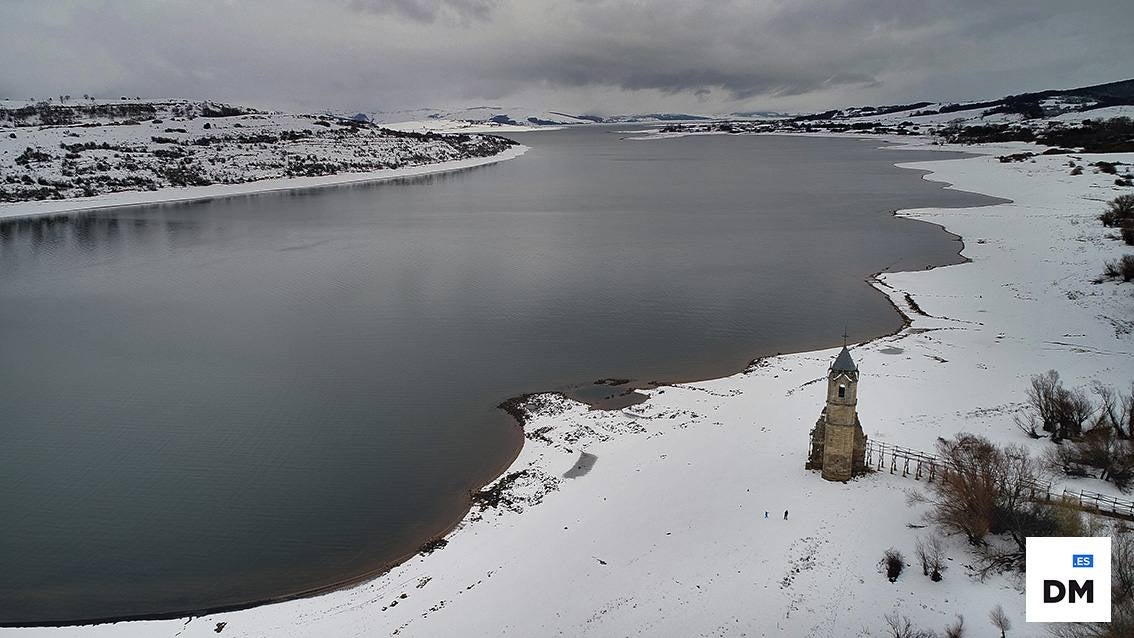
520 116
1097 118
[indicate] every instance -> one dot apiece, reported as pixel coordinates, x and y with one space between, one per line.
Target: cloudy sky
600 56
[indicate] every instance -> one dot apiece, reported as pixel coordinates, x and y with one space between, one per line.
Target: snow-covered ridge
504 119
51 152
1094 118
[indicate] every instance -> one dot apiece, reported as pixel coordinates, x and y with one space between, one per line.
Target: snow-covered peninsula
651 520
83 154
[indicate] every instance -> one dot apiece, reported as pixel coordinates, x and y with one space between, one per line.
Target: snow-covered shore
662 529
191 193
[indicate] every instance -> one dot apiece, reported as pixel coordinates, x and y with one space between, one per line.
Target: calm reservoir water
222 402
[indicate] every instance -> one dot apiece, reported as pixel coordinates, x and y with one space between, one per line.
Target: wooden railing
920 465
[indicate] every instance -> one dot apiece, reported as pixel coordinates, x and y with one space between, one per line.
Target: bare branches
1057 409
899 626
1000 620
930 551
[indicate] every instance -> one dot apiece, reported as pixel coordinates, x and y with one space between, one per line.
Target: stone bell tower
838 446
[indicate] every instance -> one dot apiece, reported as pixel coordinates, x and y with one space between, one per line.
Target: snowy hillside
54 151
1072 118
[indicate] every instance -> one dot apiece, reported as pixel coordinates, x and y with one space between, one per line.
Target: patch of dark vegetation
1119 214
223 110
1114 135
913 306
894 562
497 495
1121 268
1015 157
987 133
32 155
432 546
1110 168
540 434
516 407
526 404
614 381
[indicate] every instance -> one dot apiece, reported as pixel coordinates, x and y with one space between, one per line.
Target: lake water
222 402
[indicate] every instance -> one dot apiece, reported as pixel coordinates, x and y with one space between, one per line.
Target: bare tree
1000 620
1100 452
1116 409
1057 409
987 490
1041 398
966 494
931 553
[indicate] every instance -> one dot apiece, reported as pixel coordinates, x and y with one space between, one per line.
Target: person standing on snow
785 515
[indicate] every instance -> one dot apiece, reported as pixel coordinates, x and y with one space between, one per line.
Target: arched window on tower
842 391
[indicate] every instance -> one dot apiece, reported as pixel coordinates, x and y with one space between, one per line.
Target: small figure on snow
765 513
785 515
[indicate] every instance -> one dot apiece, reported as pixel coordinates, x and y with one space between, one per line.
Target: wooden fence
918 465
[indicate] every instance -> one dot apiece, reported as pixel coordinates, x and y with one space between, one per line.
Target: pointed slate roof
844 363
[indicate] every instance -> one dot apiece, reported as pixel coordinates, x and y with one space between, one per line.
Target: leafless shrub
957 629
1000 620
930 552
1119 211
1121 268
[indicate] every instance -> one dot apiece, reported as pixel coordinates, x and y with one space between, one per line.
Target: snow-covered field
665 534
72 156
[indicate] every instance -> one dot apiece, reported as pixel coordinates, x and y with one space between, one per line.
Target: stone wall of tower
858 458
838 452
847 379
818 437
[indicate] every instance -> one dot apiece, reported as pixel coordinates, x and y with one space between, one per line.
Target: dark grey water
221 402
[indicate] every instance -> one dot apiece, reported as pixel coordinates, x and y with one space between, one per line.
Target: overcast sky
595 56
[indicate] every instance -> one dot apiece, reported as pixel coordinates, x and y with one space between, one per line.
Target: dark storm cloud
613 55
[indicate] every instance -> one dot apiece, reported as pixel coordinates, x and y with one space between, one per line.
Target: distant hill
519 116
63 149
1091 118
